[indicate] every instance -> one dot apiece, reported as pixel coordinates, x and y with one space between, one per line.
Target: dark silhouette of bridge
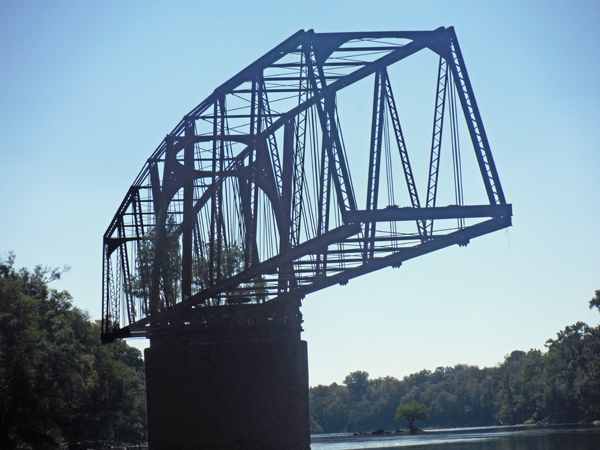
249 204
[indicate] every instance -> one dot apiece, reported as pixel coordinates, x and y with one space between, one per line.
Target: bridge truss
250 199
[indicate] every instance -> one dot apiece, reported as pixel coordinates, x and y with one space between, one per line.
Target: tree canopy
595 302
412 412
57 381
165 275
356 382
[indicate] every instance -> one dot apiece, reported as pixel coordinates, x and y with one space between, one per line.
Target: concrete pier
229 377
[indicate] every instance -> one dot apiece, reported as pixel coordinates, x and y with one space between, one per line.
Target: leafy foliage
412 412
595 302
166 271
56 379
230 263
356 383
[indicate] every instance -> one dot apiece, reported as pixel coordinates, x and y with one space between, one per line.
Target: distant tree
595 302
457 396
357 384
412 412
329 408
572 375
315 428
377 406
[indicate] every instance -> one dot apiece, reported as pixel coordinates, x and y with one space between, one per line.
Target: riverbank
532 437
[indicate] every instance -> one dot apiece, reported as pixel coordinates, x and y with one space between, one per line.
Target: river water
485 438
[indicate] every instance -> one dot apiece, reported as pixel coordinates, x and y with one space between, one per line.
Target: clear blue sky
89 89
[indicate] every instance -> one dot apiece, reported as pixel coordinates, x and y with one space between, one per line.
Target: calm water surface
504 438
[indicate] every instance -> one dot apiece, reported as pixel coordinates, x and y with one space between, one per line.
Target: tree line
57 381
559 385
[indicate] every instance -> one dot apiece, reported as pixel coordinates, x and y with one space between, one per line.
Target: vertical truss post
326 108
323 204
117 284
316 85
253 163
219 191
300 143
408 175
436 140
198 248
138 220
161 211
374 162
188 211
213 198
285 273
216 238
123 256
156 188
246 184
107 315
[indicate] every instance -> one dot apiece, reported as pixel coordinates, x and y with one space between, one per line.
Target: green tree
56 379
572 375
329 408
356 382
377 406
168 272
457 396
412 412
227 258
595 302
230 262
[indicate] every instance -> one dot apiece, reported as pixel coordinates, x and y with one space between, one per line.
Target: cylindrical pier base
241 384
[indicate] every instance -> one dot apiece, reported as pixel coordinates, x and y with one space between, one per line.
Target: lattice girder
250 198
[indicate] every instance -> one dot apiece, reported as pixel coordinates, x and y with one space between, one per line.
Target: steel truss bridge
251 200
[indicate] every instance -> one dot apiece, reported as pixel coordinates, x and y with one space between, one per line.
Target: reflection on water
487 438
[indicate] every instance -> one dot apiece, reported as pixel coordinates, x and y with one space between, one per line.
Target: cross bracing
251 197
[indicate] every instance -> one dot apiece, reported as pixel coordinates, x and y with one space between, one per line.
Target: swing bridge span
256 199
